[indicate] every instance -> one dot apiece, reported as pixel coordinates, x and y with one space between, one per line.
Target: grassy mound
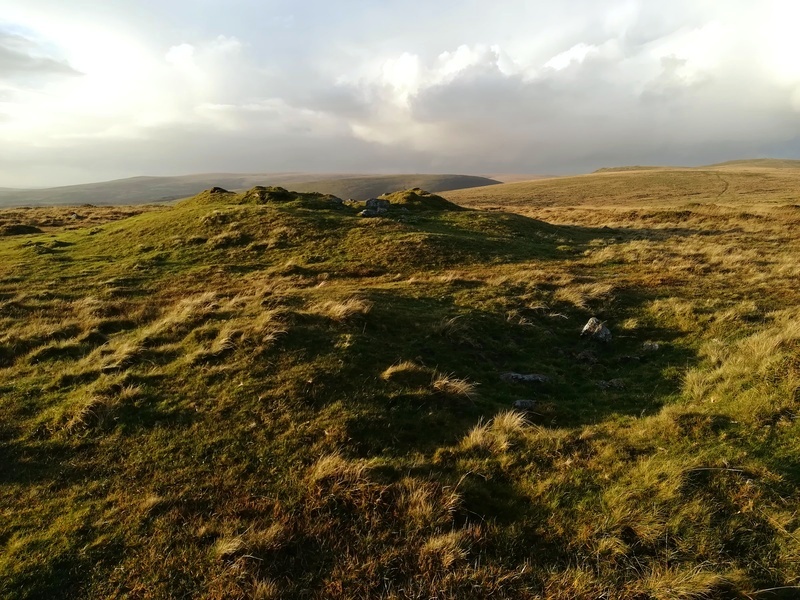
266 195
264 395
418 199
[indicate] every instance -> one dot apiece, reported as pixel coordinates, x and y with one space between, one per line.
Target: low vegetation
264 395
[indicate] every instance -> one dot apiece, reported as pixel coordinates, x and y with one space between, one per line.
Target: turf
264 395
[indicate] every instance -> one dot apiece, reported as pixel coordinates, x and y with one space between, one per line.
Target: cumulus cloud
525 86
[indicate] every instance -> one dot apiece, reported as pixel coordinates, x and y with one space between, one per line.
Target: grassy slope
159 189
226 399
644 189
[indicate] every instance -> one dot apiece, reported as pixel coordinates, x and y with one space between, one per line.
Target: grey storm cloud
20 56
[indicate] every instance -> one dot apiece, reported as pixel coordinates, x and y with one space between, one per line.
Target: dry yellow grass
449 385
341 310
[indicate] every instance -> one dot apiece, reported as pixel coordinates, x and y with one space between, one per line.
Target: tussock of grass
408 373
333 470
425 505
227 548
497 435
443 552
457 330
450 386
94 411
266 590
665 583
583 295
342 310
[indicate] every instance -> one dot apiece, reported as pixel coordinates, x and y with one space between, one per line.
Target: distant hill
747 163
759 163
139 190
729 184
512 177
627 168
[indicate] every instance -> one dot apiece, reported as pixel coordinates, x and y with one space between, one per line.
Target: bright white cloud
782 42
575 55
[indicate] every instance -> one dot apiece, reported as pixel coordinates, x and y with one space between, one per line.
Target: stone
375 207
650 346
378 204
528 378
524 404
587 356
612 384
596 330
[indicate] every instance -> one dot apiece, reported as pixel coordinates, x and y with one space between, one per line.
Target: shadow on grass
587 382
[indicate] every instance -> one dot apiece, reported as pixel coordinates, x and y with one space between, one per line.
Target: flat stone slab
524 378
524 404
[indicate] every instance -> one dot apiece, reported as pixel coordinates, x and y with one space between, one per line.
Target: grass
248 395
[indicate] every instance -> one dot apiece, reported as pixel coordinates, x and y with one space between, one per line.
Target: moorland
263 394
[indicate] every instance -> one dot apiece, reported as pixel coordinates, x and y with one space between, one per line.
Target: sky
92 90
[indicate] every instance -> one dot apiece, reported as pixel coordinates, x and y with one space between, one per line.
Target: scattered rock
524 404
378 204
375 207
520 378
612 384
650 346
587 356
596 330
218 190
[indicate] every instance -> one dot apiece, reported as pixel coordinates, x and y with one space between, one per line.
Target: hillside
662 187
264 394
751 164
759 163
140 190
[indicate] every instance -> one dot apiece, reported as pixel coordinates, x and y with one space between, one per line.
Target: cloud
527 86
21 57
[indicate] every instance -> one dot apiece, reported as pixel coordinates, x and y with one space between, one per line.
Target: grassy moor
279 394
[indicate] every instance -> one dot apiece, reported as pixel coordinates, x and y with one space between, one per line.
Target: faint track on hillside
725 181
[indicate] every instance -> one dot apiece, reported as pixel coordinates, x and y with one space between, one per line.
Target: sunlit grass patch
342 310
450 386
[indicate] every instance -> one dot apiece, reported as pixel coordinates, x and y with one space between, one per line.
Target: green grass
265 395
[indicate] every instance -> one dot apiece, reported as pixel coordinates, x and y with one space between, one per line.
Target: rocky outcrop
595 329
375 207
524 378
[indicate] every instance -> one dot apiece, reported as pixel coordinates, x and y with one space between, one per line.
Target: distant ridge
745 163
142 190
628 168
760 163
